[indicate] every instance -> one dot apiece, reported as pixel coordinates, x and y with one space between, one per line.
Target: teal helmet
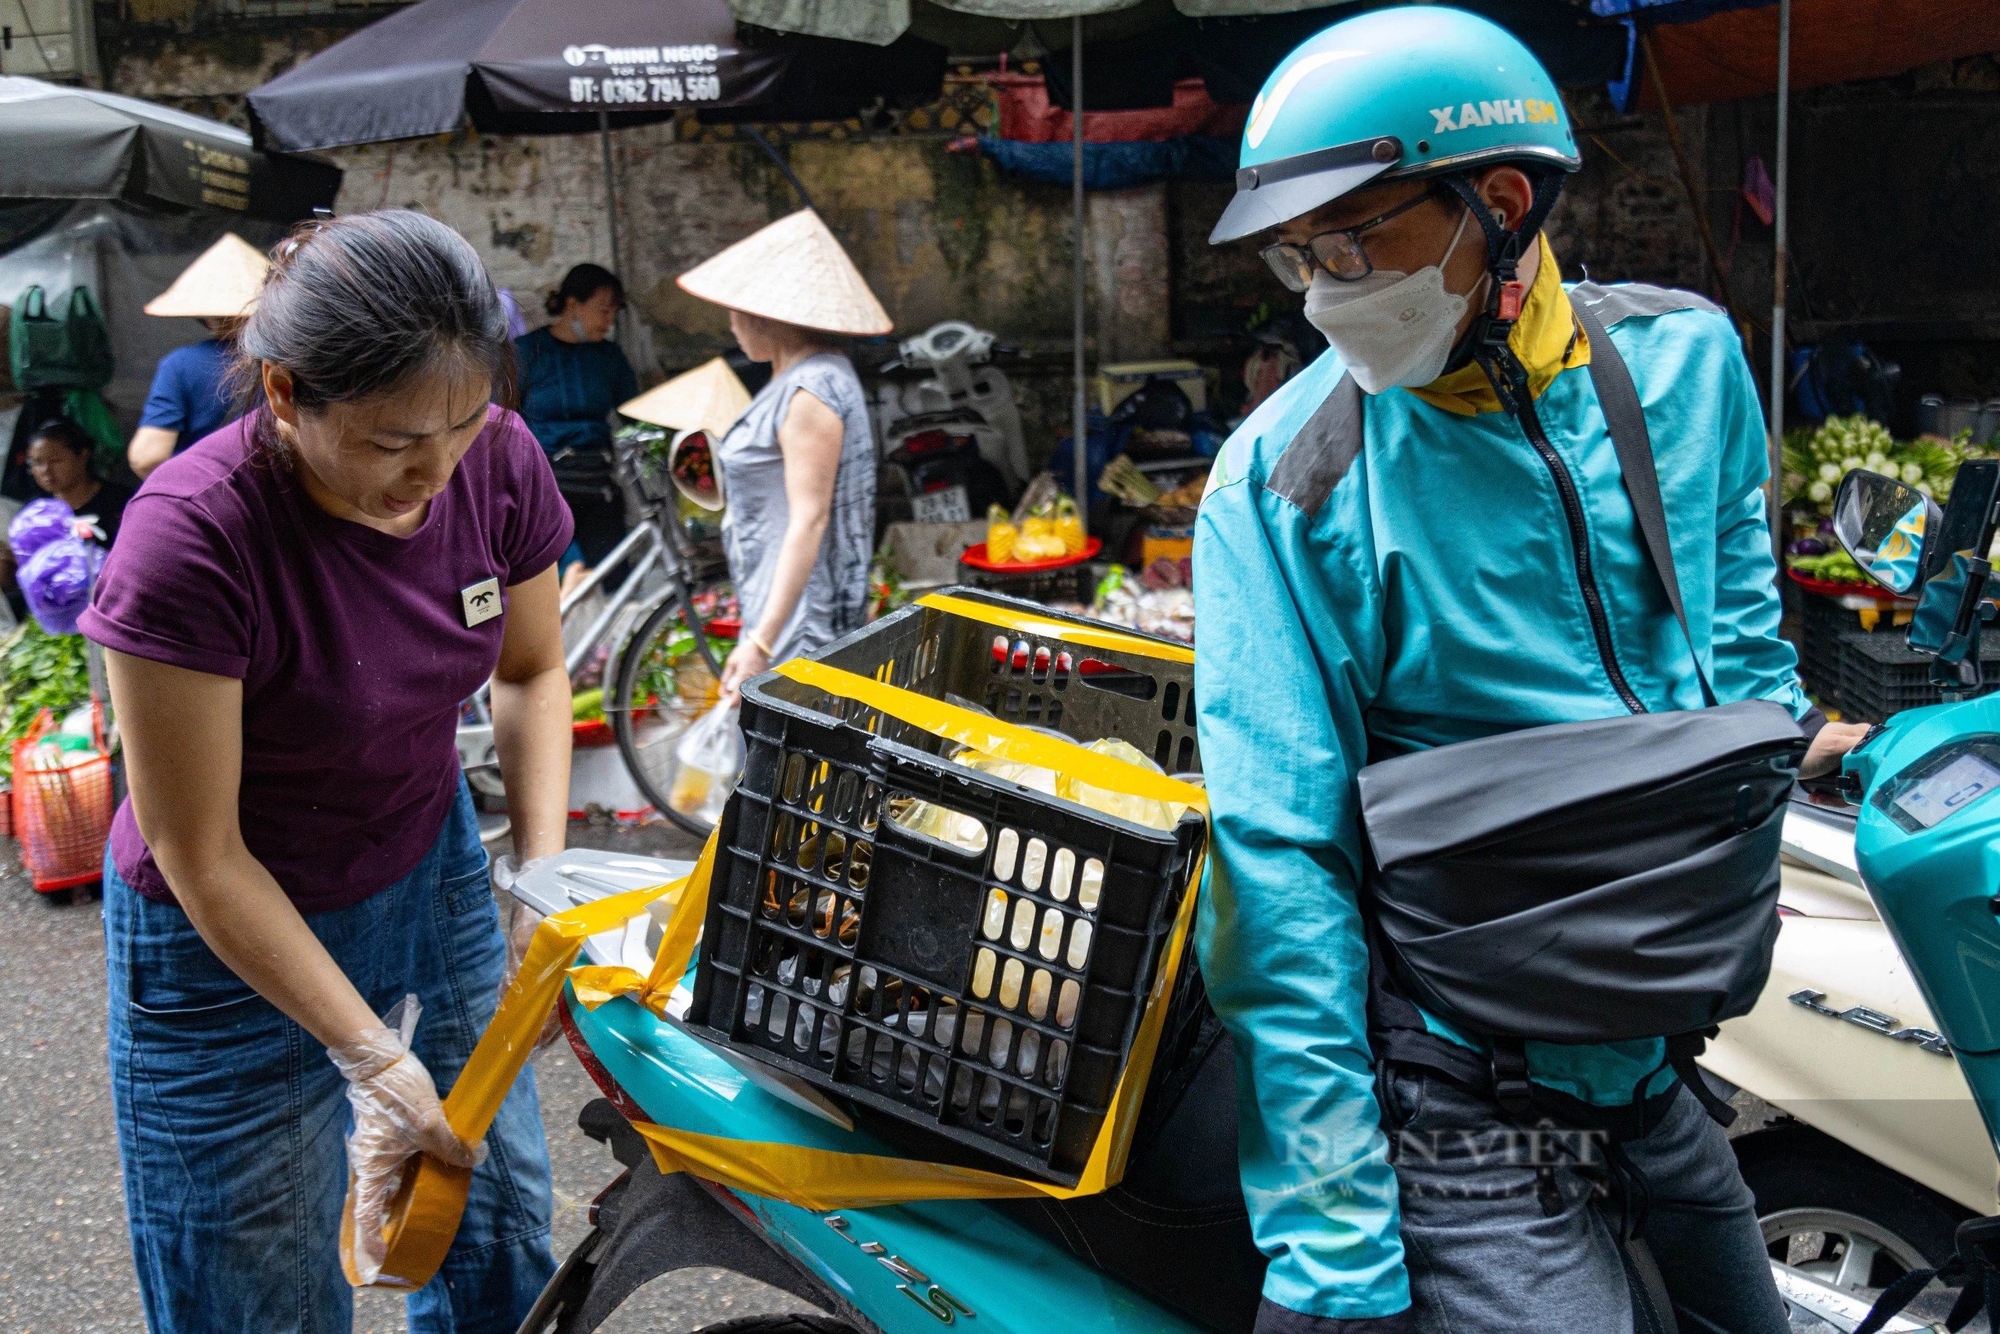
1395 94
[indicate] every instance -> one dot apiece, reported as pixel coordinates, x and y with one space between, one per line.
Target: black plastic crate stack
990 997
1823 625
1881 675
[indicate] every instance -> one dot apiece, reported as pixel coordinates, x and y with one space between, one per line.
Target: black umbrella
77 143
558 67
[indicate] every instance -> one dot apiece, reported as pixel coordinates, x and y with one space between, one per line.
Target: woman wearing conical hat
798 467
190 396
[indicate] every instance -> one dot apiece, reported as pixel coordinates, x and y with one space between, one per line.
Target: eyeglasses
1339 254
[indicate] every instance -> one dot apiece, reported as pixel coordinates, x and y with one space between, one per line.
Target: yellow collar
1547 339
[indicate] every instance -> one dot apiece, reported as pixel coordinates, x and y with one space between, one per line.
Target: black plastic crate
988 997
1823 624
1071 583
1880 675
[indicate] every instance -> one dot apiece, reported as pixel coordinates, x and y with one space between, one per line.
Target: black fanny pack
584 471
1595 881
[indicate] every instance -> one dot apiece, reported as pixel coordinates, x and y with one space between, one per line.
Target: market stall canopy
1730 50
556 67
78 143
1135 51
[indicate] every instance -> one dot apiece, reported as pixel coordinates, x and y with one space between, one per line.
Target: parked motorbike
951 441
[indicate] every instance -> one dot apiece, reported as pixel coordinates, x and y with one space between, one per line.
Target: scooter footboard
647 1225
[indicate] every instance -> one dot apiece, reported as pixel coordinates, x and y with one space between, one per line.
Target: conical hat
222 284
708 398
795 271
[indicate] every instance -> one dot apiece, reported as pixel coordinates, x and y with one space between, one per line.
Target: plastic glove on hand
521 921
396 1116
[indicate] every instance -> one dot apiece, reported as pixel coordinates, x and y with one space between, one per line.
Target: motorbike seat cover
1452 798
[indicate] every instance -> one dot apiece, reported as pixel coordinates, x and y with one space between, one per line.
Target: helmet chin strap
1486 340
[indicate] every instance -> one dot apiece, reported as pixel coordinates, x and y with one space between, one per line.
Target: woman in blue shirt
571 379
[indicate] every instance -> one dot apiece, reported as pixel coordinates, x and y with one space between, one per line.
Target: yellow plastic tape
829 1179
994 737
1045 627
424 1216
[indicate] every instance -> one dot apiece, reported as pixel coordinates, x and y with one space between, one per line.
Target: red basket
61 816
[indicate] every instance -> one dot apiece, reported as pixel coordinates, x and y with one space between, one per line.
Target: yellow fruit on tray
1069 527
1000 542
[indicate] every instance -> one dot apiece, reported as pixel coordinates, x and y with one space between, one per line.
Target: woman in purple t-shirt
295 609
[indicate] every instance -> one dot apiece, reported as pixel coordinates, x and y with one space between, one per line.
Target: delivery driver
1410 566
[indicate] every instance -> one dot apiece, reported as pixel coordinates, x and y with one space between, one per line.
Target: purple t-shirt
351 644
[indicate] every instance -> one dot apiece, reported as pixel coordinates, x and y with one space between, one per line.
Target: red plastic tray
1834 588
975 556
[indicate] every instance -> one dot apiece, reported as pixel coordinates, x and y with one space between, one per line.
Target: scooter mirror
1883 525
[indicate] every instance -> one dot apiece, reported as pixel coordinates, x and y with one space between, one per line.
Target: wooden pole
1080 427
1779 238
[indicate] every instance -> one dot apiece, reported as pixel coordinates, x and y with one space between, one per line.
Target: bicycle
660 672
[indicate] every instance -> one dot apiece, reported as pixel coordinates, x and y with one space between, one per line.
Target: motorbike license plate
946 506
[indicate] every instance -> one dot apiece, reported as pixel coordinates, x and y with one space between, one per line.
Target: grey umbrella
76 143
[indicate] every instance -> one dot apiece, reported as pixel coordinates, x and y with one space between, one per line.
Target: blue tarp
1119 165
1654 12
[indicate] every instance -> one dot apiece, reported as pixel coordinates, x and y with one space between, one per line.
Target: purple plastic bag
39 523
56 582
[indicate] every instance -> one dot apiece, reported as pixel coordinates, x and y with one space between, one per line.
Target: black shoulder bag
1595 881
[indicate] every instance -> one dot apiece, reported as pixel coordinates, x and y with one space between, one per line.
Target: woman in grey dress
798 467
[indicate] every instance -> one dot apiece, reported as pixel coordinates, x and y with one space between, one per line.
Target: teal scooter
1168 1251
1927 834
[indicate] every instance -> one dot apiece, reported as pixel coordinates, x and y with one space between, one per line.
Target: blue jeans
1485 1255
232 1121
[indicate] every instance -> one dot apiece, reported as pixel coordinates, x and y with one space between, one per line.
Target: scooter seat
1175 1228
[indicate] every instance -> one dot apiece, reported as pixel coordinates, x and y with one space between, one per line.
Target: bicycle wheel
668 675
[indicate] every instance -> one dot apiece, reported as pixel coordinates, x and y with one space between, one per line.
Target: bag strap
34 303
1626 420
1682 1048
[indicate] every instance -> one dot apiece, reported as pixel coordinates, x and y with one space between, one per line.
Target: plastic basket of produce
61 806
939 936
1881 675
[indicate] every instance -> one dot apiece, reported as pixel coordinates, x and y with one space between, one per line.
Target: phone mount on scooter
1900 538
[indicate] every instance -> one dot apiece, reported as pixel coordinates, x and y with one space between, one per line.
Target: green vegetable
1836 566
587 706
38 671
1815 459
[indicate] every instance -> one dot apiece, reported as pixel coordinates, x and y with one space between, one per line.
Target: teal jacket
1425 592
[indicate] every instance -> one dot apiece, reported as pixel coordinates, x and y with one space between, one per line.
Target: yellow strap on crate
1048 627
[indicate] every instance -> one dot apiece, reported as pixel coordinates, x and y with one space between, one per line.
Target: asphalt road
65 1262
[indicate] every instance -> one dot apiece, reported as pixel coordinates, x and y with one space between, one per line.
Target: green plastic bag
87 408
71 350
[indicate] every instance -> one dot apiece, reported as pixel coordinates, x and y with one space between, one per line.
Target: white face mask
1390 328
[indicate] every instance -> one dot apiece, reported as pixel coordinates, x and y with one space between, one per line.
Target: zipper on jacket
1586 581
